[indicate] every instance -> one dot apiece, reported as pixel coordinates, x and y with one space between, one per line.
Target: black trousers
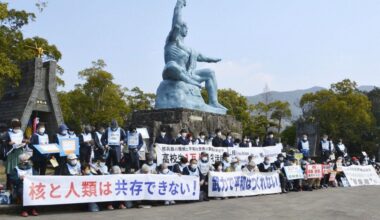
85 154
133 161
40 166
114 156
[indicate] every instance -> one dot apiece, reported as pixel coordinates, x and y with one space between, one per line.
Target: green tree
281 111
97 101
15 48
342 112
237 106
138 100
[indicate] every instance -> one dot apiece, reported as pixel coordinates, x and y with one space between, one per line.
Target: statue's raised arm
177 20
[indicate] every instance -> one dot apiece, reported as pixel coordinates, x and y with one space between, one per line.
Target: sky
287 45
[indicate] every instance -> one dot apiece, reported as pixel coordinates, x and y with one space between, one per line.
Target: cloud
245 76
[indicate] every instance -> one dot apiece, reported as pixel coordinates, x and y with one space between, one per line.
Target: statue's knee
171 71
212 74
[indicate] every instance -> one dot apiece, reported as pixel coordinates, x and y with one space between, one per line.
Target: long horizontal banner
172 153
53 190
243 184
361 175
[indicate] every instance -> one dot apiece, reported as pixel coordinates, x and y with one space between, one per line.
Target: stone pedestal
176 119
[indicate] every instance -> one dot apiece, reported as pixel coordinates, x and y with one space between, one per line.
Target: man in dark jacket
217 141
163 138
228 142
112 140
183 140
266 166
270 141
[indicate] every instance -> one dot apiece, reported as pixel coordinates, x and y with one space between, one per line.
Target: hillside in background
293 97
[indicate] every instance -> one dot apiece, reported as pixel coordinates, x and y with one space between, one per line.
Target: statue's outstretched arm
177 17
203 58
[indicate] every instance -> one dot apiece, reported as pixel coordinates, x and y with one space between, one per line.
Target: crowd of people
113 150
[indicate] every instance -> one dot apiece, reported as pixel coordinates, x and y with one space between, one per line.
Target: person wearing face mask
112 140
72 166
201 140
16 144
279 165
22 170
266 166
99 167
245 142
71 132
226 161
151 164
217 141
204 164
228 142
134 142
341 150
325 147
87 145
193 170
63 132
364 160
163 138
178 167
183 139
164 170
256 142
235 165
99 151
306 184
303 145
39 138
251 168
270 141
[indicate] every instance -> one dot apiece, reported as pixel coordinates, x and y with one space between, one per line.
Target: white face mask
183 135
194 166
163 134
102 164
73 162
204 158
16 130
219 134
220 168
271 136
41 130
64 132
203 137
166 170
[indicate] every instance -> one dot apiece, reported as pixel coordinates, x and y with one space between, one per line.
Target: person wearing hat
22 170
87 145
270 141
226 161
63 132
112 140
266 166
72 166
235 165
134 142
355 161
217 141
183 139
16 144
163 138
39 138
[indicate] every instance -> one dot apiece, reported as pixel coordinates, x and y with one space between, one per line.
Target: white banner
172 153
243 184
52 190
361 175
294 172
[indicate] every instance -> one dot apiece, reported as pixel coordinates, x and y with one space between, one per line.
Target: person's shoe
34 212
110 207
172 202
24 214
167 202
122 206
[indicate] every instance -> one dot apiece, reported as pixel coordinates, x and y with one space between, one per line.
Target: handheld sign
48 148
69 146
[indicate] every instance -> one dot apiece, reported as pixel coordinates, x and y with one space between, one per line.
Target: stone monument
179 103
35 97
